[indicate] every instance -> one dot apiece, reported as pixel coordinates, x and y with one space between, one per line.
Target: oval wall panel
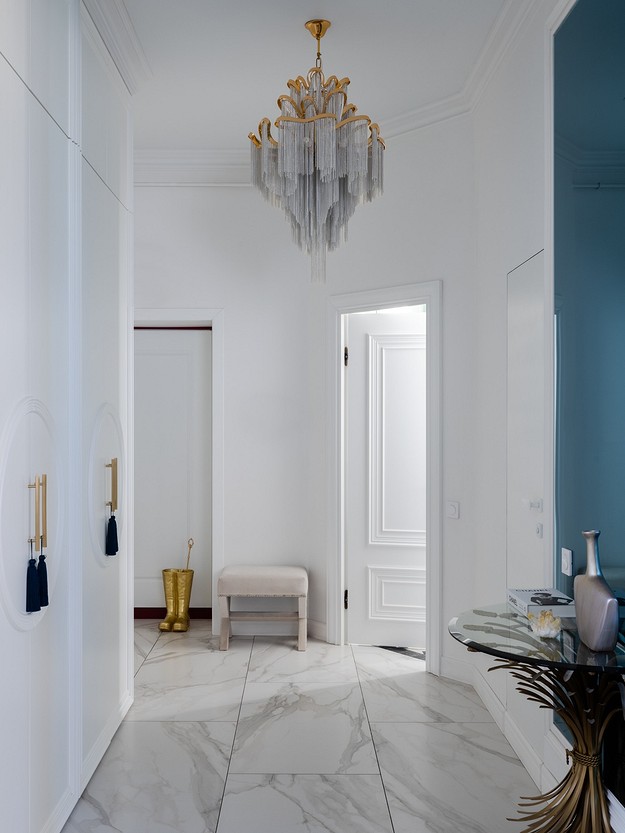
29 447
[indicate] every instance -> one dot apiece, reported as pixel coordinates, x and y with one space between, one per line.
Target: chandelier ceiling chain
325 161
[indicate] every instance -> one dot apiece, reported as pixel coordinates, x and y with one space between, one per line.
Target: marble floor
266 739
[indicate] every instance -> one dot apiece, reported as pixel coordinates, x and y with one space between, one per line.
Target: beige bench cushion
249 580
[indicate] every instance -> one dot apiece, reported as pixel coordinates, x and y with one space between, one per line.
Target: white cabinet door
37 660
172 460
106 300
385 485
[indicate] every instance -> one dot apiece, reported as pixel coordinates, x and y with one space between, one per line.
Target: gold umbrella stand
177 585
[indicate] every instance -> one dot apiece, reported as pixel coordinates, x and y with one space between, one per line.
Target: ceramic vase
596 607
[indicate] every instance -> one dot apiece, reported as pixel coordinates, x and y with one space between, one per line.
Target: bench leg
224 615
302 624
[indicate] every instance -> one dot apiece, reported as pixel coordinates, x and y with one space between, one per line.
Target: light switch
566 563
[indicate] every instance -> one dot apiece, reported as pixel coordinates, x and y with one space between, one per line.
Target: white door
172 460
385 476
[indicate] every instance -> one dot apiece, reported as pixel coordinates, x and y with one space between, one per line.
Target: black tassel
32 587
111 537
42 575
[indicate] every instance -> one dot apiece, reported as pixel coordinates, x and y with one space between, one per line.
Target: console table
582 687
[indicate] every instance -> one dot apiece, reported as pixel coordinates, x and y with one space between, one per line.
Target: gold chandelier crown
325 161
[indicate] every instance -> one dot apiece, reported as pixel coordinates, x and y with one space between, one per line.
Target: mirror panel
526 423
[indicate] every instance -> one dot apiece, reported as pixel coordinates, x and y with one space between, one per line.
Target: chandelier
325 161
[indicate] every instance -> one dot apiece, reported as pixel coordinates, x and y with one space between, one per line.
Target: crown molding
232 167
501 39
438 111
192 167
589 161
113 23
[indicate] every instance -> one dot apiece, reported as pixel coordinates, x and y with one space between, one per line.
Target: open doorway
384 418
173 408
403 598
213 318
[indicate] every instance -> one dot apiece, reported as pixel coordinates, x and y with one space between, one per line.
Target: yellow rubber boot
170 586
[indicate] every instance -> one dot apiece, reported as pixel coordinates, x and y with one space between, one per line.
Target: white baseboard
318 630
458 670
466 672
526 753
96 753
56 820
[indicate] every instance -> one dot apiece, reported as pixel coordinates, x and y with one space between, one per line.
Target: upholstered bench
257 581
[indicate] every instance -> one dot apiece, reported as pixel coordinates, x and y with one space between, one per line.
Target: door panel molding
382 350
397 593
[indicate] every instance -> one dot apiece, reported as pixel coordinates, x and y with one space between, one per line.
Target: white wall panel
105 686
34 440
105 109
511 165
35 39
40 408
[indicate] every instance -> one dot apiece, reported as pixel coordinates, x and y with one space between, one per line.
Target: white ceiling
216 68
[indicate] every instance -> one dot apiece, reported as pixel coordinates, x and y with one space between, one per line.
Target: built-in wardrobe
65 266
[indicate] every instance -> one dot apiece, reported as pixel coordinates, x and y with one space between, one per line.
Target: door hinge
346 356
346 599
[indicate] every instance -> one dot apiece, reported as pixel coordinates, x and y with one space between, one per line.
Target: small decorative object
37 574
111 544
42 578
545 625
596 607
32 584
177 586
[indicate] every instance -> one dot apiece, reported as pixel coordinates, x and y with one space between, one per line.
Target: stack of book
525 601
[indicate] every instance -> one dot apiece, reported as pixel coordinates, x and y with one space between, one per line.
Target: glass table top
502 632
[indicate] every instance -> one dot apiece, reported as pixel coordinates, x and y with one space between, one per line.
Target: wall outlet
566 562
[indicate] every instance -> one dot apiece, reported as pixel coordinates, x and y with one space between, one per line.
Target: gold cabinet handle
41 512
44 510
113 501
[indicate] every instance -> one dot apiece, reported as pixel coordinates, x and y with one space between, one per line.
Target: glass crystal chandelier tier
324 161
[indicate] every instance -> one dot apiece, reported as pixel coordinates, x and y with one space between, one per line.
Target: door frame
430 294
202 317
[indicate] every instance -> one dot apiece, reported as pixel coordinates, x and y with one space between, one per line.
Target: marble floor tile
450 777
303 728
197 628
330 740
191 685
146 636
157 778
398 688
198 641
277 660
304 804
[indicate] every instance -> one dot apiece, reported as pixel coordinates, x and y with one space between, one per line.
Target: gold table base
585 701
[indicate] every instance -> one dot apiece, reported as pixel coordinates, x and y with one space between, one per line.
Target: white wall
511 122
225 248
